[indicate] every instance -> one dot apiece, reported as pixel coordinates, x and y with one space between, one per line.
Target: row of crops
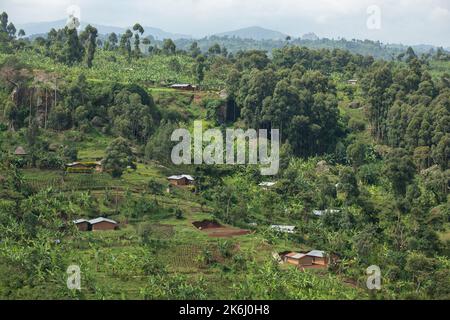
179 256
74 182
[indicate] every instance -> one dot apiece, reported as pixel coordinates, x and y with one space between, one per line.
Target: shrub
49 161
356 125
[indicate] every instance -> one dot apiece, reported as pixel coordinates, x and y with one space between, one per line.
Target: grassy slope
123 279
113 67
95 251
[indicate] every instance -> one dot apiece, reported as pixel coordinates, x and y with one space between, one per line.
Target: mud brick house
103 224
181 180
82 225
183 86
319 257
98 224
84 167
312 259
298 259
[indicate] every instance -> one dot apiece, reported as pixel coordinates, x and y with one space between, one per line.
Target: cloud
407 21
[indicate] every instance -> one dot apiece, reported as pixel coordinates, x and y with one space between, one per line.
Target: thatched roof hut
20 152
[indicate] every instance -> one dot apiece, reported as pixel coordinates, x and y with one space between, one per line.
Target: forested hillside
364 170
364 47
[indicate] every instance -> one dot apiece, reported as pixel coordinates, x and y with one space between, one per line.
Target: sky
390 21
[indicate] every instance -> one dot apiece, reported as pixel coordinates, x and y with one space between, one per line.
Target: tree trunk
31 100
56 86
46 109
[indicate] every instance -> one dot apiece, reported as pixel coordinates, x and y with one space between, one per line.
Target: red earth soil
216 230
206 224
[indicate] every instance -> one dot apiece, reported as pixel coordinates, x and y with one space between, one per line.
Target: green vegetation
373 157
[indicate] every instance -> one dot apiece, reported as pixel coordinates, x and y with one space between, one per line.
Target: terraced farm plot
162 231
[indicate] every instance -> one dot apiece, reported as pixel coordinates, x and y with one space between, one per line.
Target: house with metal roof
316 253
319 257
320 213
84 167
298 259
283 229
312 259
181 180
103 224
98 224
183 86
82 224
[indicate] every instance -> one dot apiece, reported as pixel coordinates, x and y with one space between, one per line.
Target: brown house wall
182 182
291 261
84 226
321 261
305 261
104 226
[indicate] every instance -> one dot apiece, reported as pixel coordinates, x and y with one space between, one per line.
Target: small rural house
98 224
299 259
84 167
319 257
312 259
353 82
320 213
181 180
283 229
103 224
20 151
82 225
183 86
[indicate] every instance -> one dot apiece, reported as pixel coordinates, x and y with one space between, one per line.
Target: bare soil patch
216 230
207 224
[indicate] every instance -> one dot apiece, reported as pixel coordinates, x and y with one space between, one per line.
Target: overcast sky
405 21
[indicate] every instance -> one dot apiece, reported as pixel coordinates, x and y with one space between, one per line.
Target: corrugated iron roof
296 255
183 176
181 85
316 254
98 220
80 221
322 212
98 163
287 229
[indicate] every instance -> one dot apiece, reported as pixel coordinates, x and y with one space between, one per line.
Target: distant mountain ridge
39 28
258 38
254 33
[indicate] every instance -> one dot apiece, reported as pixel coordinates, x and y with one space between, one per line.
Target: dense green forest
372 155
